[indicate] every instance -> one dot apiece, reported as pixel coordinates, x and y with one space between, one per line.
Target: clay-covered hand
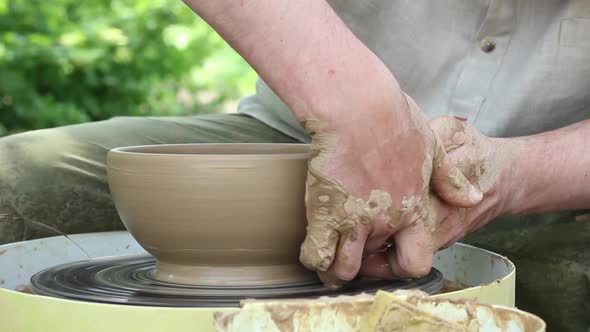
486 162
368 181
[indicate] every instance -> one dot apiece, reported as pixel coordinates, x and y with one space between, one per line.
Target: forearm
552 171
305 53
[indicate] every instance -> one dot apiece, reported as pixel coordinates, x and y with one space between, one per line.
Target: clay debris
343 313
410 311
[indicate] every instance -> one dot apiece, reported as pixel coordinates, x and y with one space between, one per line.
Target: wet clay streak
215 214
474 154
333 214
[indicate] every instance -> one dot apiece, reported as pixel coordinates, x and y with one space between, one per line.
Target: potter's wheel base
129 280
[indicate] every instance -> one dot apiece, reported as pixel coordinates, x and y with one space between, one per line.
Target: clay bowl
215 214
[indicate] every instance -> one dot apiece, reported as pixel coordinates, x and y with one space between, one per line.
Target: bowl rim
125 151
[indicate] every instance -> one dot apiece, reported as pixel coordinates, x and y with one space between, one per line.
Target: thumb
452 186
319 248
447 180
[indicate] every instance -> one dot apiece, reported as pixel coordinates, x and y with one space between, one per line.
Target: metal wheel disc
128 280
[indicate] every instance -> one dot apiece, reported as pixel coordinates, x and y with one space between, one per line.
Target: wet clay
215 214
394 313
332 215
474 154
411 311
467 315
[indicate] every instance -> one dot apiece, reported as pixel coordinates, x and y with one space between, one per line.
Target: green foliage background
71 61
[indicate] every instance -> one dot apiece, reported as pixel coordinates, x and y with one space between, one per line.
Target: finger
446 245
454 134
448 229
377 243
454 239
451 185
412 256
481 214
448 180
376 266
450 132
464 223
319 247
380 236
348 259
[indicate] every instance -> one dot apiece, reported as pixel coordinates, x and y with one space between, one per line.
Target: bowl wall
213 204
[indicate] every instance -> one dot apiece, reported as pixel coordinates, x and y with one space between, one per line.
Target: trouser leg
53 181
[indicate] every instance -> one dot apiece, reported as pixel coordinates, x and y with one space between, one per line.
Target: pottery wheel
128 280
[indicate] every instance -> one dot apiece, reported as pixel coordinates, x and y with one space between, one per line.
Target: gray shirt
511 67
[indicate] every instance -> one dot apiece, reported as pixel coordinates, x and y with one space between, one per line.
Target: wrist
509 190
344 105
520 180
549 171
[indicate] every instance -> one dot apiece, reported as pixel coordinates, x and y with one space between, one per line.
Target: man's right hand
368 184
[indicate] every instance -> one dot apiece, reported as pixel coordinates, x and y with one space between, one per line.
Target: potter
511 68
360 104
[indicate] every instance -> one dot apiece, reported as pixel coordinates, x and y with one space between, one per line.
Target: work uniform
510 67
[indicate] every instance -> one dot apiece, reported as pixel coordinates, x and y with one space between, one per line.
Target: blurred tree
70 61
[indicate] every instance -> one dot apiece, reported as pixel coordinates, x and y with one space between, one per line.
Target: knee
21 155
13 158
27 172
20 152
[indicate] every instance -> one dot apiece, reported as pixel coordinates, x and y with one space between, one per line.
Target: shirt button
487 44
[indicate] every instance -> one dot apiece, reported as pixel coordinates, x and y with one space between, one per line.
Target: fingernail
460 118
474 194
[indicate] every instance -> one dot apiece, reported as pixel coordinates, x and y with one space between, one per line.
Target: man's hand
489 164
368 183
486 162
